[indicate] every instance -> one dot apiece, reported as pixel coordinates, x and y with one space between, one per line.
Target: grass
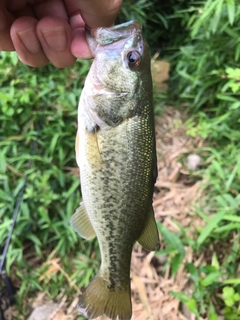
38 126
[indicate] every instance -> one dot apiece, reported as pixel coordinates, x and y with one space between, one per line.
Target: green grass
37 136
205 80
38 127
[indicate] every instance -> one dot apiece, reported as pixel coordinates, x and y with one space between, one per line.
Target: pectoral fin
149 238
81 223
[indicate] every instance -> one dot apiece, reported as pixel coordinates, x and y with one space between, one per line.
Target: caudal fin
97 300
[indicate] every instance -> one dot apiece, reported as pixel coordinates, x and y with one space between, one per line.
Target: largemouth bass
116 153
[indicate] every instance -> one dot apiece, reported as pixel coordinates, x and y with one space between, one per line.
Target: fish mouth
129 32
105 36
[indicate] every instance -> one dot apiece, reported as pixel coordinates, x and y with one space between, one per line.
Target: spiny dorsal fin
149 238
81 223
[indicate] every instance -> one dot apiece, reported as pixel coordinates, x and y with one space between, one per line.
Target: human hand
52 30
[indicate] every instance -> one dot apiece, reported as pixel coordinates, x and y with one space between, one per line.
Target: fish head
120 78
121 55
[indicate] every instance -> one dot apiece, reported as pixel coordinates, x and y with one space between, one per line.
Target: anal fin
81 223
149 238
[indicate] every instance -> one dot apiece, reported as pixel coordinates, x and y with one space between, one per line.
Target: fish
116 154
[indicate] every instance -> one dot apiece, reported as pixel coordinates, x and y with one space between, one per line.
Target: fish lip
113 35
105 36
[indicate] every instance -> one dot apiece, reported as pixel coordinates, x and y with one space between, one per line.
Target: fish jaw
106 36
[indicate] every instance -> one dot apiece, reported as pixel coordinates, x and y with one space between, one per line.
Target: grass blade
211 225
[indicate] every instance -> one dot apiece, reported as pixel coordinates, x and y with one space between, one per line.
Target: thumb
96 13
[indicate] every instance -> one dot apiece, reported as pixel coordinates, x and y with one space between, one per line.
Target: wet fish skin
115 150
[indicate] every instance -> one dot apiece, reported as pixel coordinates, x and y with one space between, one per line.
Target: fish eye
134 59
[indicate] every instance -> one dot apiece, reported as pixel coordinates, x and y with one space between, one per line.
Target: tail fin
97 300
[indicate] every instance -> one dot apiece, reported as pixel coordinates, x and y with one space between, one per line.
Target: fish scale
116 153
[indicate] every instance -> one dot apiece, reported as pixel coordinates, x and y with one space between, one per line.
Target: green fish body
116 153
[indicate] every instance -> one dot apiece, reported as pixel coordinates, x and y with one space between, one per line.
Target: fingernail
29 39
56 38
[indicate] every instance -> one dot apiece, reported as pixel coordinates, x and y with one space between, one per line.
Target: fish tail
98 299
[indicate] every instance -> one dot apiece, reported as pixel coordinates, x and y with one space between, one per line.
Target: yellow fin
149 238
97 300
81 223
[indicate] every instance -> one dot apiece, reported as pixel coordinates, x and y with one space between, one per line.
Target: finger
26 43
16 5
6 19
79 46
76 21
49 8
97 13
55 36
26 11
